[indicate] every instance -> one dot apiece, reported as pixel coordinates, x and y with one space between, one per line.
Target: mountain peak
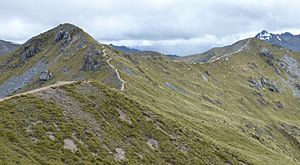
288 34
264 32
287 39
65 35
264 35
67 26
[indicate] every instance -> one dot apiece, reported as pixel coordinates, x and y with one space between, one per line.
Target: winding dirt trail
118 75
61 83
57 84
229 54
116 70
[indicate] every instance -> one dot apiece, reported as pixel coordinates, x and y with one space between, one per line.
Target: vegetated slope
286 39
246 103
89 123
215 53
6 47
65 53
240 109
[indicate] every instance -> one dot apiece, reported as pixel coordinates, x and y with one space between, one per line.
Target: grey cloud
177 21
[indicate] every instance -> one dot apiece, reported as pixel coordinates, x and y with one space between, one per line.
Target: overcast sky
171 26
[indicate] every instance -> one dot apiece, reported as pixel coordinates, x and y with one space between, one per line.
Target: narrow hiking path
116 70
57 84
118 74
229 54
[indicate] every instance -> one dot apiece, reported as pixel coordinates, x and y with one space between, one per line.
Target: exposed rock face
261 98
120 154
65 39
14 83
93 60
291 67
264 83
70 145
29 52
89 64
271 85
45 75
63 35
266 53
153 144
123 116
255 83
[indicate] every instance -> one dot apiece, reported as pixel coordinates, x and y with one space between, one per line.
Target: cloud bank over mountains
171 26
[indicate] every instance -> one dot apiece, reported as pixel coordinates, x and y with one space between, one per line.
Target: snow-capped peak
264 35
279 38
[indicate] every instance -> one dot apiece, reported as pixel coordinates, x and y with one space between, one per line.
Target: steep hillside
65 53
88 123
246 103
6 47
241 106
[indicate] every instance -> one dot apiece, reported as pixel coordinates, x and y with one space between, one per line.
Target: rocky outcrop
254 83
264 83
28 53
271 85
290 66
15 83
153 143
266 53
45 76
91 64
278 105
213 101
174 88
93 60
64 38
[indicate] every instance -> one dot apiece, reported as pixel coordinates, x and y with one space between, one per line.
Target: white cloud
15 29
152 22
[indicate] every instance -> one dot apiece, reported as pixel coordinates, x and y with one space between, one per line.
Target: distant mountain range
129 50
6 47
125 49
286 39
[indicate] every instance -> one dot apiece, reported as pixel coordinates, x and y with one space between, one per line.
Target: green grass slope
66 51
241 108
217 101
104 125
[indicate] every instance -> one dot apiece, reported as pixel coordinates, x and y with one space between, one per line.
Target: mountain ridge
45 56
286 39
6 47
242 107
